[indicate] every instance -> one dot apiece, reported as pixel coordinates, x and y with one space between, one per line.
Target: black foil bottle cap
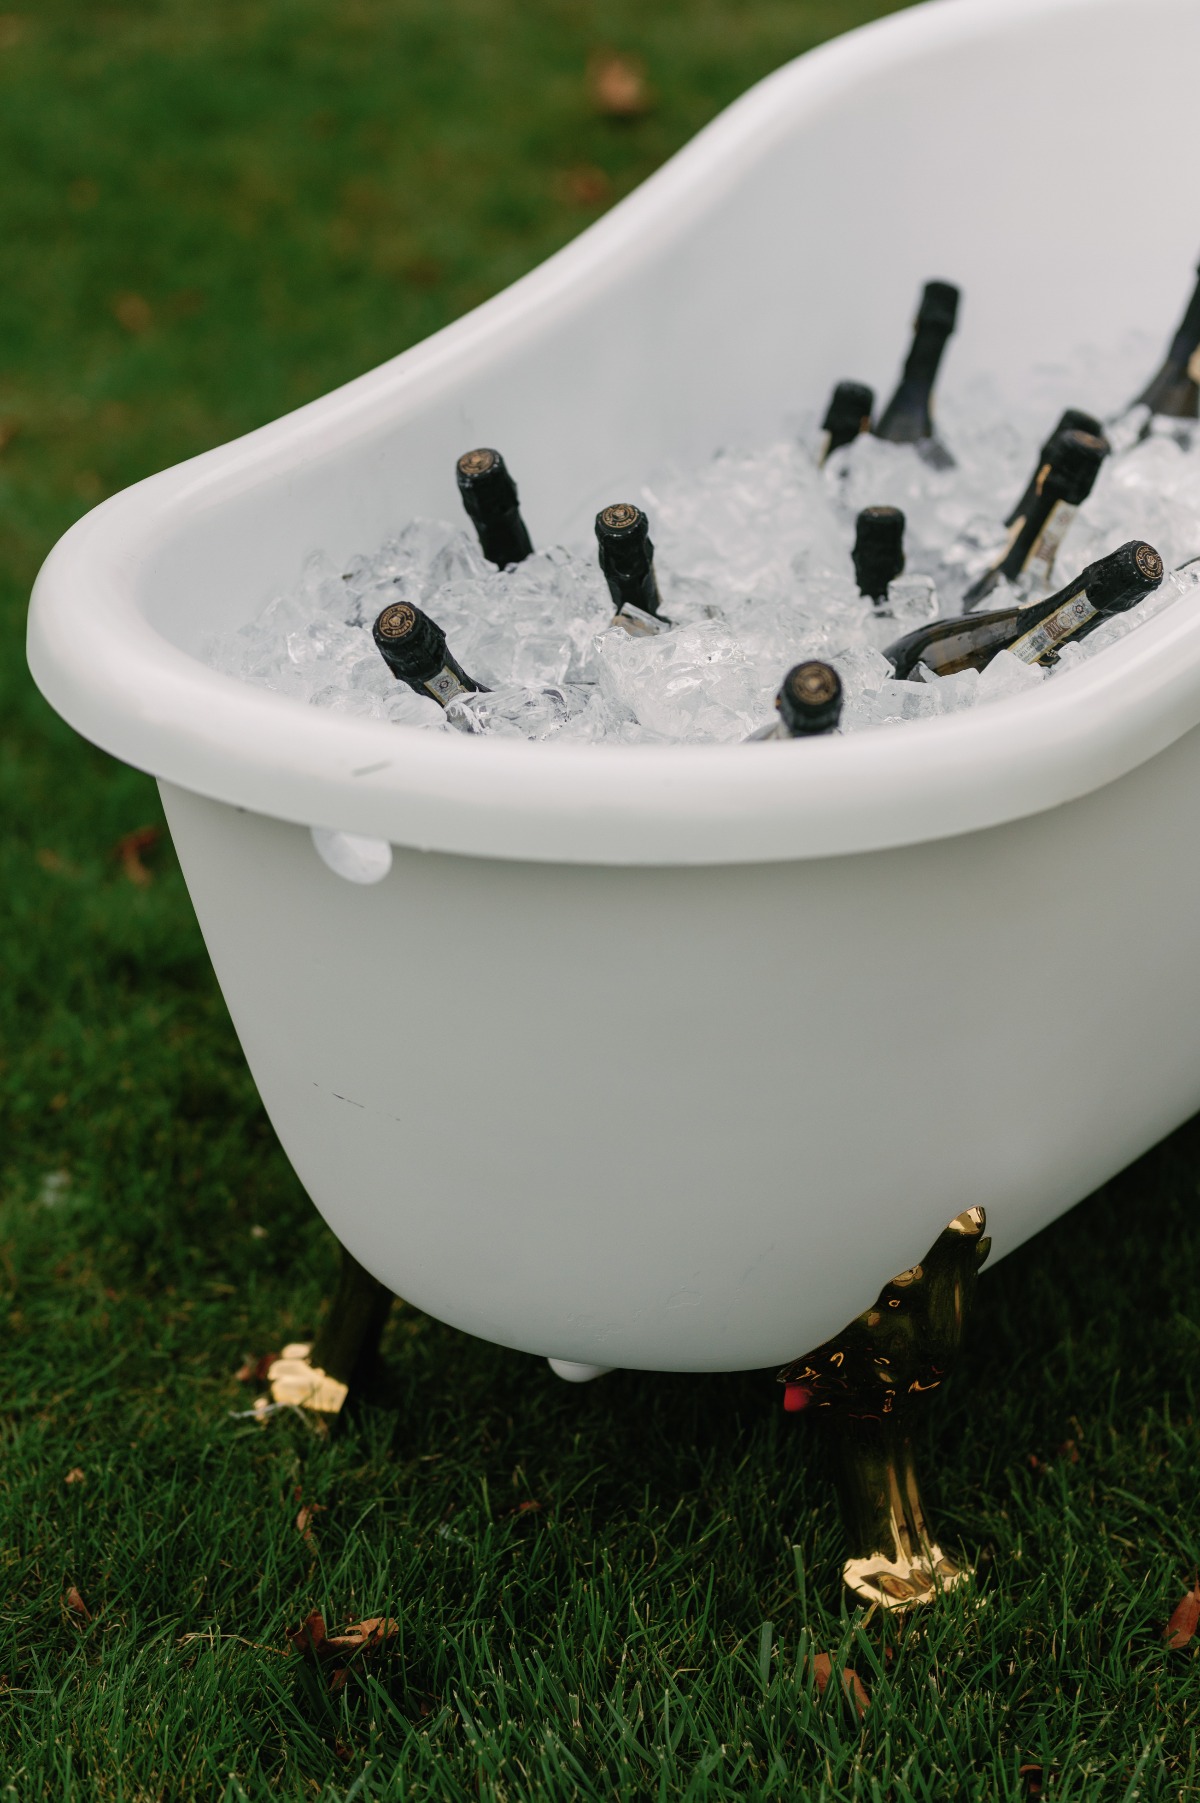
810 699
939 306
849 411
1074 419
411 644
1117 581
484 483
620 523
878 549
1075 459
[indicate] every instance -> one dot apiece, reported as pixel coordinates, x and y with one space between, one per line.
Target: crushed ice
752 550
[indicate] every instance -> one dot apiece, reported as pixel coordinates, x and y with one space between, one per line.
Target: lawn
211 214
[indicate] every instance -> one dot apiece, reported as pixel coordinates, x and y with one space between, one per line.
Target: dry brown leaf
74 1604
617 85
1185 1619
852 1684
254 1371
359 1639
304 1522
365 1636
128 852
75 1475
529 1508
134 312
309 1637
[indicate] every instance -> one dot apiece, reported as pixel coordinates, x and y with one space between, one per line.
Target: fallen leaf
75 1605
309 1637
328 1650
1069 1451
617 85
134 312
128 852
528 1508
294 1381
1185 1619
75 1475
365 1636
585 186
255 1370
304 1522
852 1684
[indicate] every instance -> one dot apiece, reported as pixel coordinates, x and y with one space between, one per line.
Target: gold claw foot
868 1382
343 1359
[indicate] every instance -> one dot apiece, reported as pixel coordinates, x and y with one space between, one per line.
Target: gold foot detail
344 1356
869 1382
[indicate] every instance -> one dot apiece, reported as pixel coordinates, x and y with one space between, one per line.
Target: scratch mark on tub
370 769
337 1098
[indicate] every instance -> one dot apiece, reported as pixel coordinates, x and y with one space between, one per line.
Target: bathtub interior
1036 155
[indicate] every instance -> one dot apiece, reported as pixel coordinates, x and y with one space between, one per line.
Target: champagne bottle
1035 630
809 702
1060 487
627 560
848 414
908 416
1173 392
878 551
414 649
489 495
1072 419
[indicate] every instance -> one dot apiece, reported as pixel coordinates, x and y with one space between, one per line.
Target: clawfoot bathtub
671 1057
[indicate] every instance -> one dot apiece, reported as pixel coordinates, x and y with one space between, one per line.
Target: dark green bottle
1035 630
908 416
1173 392
489 495
627 560
1072 419
809 702
878 551
1060 487
848 414
414 649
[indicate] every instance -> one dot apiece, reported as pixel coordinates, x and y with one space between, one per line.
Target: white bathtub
669 1057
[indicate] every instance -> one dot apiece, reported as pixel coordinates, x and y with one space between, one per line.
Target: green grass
210 215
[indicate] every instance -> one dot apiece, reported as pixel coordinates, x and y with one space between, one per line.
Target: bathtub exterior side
690 1119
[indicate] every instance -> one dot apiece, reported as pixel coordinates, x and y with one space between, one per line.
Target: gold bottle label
1040 562
637 622
1049 633
445 686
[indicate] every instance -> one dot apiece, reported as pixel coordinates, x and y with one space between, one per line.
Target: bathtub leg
343 1359
869 1384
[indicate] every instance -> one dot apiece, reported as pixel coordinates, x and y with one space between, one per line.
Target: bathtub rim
129 689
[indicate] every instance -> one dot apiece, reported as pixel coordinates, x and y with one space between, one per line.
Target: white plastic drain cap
577 1374
352 856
